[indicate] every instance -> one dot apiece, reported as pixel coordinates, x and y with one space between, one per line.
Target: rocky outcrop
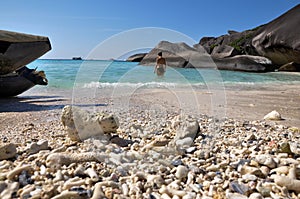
290 67
261 49
184 56
19 49
247 63
279 40
240 42
179 55
136 57
176 54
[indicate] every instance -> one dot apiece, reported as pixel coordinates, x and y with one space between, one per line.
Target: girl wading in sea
160 67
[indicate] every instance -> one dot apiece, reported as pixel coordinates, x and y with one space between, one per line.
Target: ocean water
65 74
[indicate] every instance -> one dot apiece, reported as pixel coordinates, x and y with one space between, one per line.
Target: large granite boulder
178 55
223 51
175 53
246 63
290 67
136 57
19 49
279 40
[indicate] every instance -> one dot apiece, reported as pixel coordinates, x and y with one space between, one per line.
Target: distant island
76 58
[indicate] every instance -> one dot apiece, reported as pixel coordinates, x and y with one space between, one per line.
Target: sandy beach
35 116
237 102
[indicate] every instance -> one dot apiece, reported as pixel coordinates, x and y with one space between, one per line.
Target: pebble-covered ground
152 156
157 151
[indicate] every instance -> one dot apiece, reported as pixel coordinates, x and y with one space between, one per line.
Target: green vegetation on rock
239 43
213 46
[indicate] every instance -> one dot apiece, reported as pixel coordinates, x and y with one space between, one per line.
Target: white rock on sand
274 115
81 124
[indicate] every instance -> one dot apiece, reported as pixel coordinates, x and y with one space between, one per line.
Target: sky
79 27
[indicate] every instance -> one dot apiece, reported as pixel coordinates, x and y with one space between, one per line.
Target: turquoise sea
64 74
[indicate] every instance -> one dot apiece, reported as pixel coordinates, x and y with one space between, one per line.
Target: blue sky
76 27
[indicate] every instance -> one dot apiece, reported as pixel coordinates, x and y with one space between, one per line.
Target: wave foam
137 85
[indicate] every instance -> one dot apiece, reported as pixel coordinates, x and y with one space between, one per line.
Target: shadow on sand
36 103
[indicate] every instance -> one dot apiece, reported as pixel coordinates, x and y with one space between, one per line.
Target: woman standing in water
160 66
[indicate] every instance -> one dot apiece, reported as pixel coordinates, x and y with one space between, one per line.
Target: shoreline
242 102
248 103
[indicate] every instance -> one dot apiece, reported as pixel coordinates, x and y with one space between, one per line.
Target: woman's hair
159 54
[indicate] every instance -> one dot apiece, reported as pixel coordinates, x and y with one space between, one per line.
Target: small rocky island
269 47
76 58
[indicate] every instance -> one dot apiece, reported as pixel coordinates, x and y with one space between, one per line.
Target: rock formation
261 49
279 40
179 55
235 42
292 66
183 56
136 57
19 49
